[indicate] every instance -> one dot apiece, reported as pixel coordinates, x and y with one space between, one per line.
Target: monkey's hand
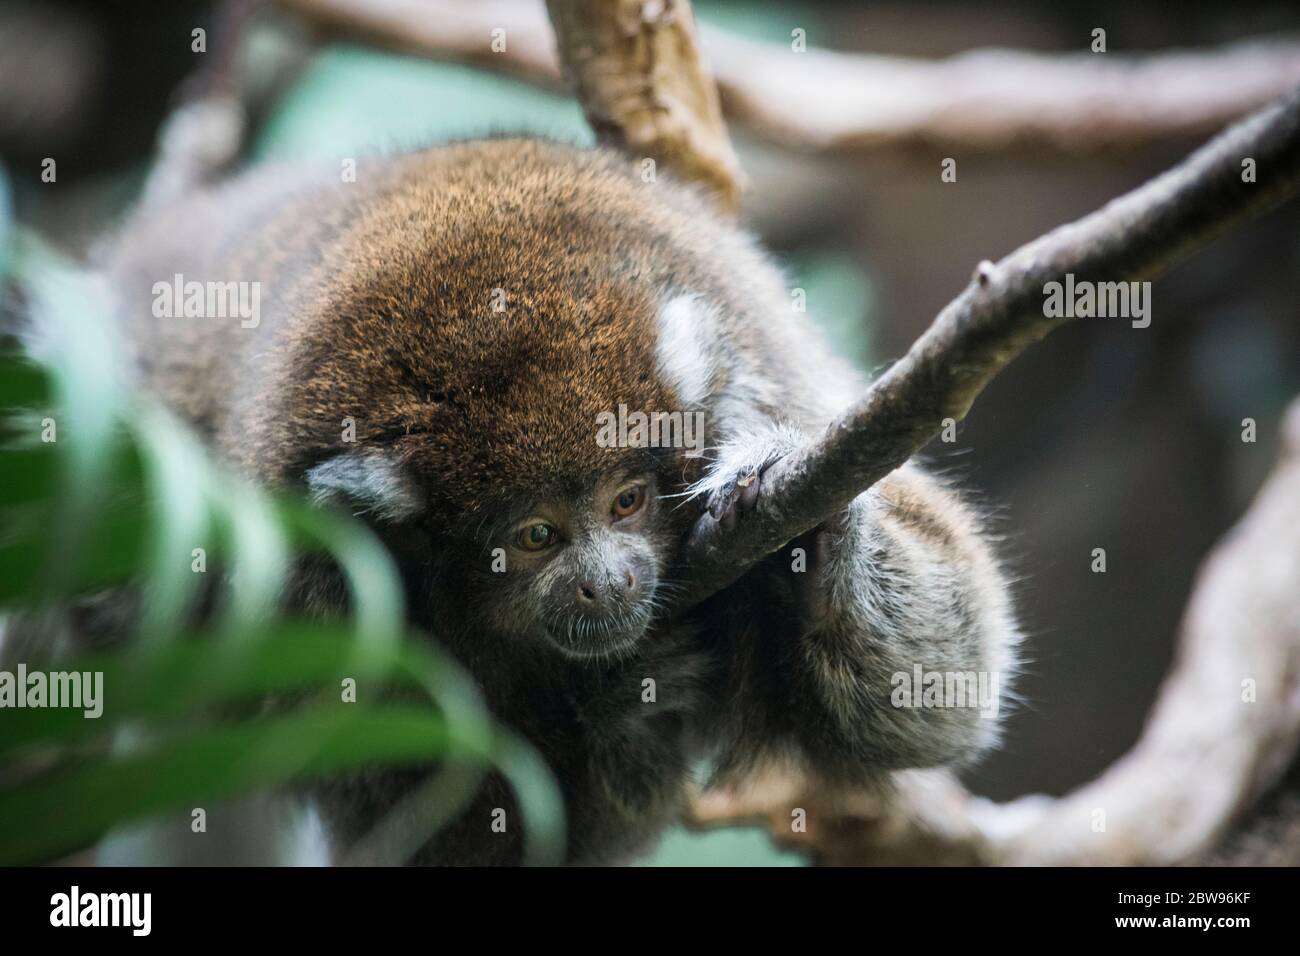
734 482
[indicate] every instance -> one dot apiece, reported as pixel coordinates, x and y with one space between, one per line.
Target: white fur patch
371 482
686 353
747 449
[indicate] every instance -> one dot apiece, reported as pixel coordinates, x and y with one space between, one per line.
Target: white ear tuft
686 353
368 481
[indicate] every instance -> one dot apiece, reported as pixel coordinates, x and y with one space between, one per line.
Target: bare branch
448 29
994 99
636 68
821 100
635 65
998 316
1224 729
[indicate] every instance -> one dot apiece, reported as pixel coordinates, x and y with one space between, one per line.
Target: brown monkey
473 313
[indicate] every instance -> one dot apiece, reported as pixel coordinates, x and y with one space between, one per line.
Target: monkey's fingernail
749 494
746 481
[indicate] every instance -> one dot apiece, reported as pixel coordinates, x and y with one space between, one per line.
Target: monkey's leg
900 646
906 640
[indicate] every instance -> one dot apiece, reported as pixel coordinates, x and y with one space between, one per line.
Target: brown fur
377 306
373 295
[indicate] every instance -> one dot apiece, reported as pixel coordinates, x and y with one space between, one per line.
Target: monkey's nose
613 592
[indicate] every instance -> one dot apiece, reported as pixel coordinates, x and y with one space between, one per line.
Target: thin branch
999 315
988 99
1224 729
635 65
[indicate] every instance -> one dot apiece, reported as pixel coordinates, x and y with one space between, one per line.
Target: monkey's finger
749 489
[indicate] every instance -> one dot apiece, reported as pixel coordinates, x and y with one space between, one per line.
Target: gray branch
1000 314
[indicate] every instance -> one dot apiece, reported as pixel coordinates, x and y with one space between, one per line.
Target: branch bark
1224 729
988 99
994 99
636 68
446 29
999 315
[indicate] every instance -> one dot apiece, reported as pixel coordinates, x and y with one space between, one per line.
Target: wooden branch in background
988 100
635 65
994 99
999 315
1224 729
445 29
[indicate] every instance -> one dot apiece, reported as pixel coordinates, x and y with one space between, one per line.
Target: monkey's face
582 573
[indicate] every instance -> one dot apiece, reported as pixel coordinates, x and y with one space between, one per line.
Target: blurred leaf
185 676
121 497
6 222
87 799
23 383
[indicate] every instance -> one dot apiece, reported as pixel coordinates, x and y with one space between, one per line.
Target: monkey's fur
377 305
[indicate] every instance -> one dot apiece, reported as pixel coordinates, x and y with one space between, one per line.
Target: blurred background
1100 437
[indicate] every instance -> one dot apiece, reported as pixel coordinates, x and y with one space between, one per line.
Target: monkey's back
445 226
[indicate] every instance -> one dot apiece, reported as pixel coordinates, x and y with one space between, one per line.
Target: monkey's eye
537 536
628 501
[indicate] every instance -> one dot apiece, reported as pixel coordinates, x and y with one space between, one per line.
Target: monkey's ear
368 482
687 354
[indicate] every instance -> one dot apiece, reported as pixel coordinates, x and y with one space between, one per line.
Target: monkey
434 346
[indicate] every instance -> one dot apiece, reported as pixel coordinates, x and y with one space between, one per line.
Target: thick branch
997 317
1227 721
994 99
1225 727
822 100
635 65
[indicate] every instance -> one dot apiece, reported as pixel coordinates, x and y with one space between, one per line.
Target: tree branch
446 29
993 99
998 316
822 100
1224 729
635 65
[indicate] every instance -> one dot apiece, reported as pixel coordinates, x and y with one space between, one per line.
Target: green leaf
121 498
67 809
